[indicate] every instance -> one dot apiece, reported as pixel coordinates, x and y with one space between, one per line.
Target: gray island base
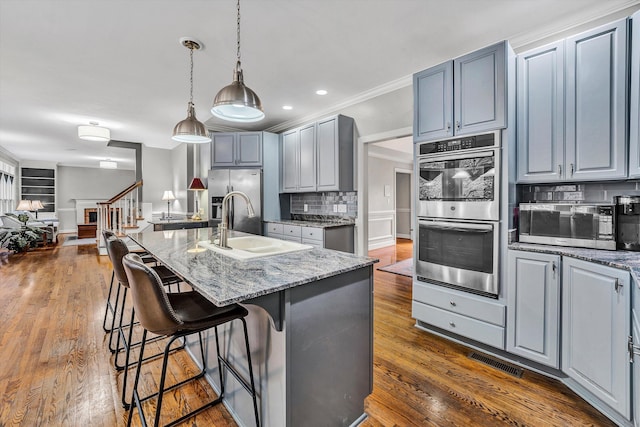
310 328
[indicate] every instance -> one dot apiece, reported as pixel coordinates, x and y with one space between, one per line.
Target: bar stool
176 316
110 307
117 249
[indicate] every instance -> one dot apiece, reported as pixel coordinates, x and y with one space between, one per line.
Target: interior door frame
395 201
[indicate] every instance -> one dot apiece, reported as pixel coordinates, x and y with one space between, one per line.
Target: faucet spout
223 227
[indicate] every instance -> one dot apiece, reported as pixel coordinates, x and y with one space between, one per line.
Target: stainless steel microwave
564 224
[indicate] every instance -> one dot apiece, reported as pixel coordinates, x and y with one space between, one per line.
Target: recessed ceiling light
287 107
108 164
321 92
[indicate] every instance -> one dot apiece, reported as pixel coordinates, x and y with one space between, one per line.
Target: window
7 191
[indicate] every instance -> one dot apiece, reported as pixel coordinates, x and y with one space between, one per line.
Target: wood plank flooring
56 369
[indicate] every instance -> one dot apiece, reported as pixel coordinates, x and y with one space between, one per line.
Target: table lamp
36 205
169 197
196 185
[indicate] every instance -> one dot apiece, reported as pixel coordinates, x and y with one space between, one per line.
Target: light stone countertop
626 260
225 280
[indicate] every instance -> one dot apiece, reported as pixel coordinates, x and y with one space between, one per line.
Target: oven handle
483 228
459 156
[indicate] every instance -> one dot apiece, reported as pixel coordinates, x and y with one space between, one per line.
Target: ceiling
119 62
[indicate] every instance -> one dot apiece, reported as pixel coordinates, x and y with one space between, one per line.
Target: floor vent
490 361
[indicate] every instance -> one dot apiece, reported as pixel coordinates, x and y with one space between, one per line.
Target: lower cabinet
471 316
339 238
596 303
533 307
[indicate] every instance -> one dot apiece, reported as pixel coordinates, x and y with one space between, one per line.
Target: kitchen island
310 326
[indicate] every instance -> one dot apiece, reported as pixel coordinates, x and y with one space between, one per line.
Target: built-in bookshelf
39 184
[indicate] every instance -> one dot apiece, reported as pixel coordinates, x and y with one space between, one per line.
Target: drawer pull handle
453 303
453 325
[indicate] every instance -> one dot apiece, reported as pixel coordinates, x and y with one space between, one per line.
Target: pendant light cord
191 76
238 32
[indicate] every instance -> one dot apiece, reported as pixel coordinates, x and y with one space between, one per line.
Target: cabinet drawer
314 243
274 227
291 238
292 231
312 233
471 328
468 305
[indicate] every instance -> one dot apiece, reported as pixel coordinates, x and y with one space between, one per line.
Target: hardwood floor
56 369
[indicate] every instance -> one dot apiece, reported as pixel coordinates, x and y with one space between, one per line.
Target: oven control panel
463 143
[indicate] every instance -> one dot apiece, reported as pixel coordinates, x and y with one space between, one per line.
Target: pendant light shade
190 130
236 102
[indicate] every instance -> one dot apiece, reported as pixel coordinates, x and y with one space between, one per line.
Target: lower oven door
459 254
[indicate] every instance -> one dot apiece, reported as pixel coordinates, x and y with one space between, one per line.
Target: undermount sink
249 247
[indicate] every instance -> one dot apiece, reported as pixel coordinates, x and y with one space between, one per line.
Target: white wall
180 181
157 176
382 215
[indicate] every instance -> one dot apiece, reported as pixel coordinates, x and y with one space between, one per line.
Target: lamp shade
94 133
37 204
236 102
168 195
25 205
196 184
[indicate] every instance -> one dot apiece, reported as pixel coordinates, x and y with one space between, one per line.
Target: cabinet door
307 162
634 101
533 307
327 150
596 103
290 168
636 365
479 93
433 103
248 149
222 150
596 304
541 114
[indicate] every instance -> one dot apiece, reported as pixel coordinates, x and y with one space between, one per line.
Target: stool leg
135 397
109 305
219 363
253 386
113 319
163 377
125 404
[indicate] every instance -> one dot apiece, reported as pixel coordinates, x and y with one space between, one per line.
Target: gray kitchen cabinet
318 156
540 94
299 160
334 148
596 103
466 95
634 348
339 238
596 302
478 318
634 99
242 149
533 307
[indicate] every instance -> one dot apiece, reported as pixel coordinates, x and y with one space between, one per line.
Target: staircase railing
120 212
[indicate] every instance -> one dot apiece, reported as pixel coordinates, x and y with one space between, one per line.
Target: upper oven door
464 185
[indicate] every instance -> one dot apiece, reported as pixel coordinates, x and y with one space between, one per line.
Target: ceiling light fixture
287 107
321 92
93 132
190 130
236 102
108 164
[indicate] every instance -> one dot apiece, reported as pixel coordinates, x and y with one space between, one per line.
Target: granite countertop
224 280
620 259
316 223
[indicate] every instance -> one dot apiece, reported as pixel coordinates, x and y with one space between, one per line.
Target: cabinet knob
453 303
559 170
458 124
453 325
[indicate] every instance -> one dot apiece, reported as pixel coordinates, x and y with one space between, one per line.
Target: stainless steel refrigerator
249 181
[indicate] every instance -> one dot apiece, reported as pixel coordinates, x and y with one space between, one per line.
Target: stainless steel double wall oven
458 208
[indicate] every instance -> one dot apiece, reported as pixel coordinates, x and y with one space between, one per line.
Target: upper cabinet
236 149
572 108
634 100
466 95
318 156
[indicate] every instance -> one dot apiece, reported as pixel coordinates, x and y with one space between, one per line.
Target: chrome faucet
224 225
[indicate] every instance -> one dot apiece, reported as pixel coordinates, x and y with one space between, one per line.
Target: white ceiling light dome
93 132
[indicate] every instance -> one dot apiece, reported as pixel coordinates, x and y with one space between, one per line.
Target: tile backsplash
323 203
587 192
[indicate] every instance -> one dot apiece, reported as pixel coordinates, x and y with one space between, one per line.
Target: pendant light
236 102
190 129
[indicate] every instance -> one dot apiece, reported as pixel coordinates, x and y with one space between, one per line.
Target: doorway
403 193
